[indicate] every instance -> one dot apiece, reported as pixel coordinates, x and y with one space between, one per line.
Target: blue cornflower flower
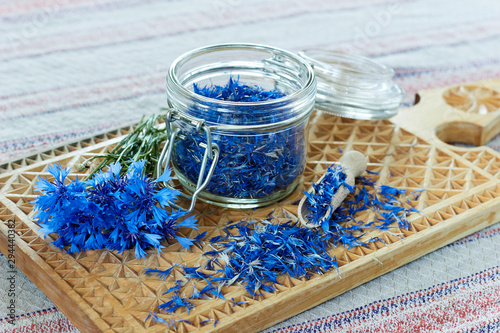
110 211
56 195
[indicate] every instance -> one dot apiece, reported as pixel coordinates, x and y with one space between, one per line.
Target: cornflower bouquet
114 210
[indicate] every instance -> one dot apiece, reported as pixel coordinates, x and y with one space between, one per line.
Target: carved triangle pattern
486 159
113 285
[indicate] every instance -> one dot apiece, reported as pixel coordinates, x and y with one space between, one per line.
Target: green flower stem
144 142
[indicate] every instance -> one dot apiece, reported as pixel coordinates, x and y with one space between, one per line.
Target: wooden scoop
353 164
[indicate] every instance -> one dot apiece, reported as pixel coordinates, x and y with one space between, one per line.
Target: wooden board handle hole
460 132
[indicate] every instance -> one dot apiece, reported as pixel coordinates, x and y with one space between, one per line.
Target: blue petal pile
109 211
385 201
234 91
318 201
251 165
256 253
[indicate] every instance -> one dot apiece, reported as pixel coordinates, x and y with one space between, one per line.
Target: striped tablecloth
73 68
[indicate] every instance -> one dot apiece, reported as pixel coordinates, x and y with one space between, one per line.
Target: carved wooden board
101 291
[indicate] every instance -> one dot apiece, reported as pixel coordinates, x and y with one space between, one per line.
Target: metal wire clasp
211 152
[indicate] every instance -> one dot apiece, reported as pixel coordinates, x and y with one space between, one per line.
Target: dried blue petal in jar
256 101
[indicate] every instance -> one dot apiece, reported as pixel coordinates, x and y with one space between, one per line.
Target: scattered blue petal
185 242
255 254
163 274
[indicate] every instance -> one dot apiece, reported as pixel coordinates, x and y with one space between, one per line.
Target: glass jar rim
179 61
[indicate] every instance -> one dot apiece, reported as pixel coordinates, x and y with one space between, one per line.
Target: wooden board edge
82 318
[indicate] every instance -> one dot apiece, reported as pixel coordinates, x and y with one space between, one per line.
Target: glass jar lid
353 86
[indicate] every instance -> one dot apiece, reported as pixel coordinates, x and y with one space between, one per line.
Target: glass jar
239 154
